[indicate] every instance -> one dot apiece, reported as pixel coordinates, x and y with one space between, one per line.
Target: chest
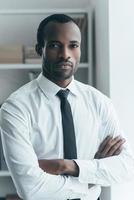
46 129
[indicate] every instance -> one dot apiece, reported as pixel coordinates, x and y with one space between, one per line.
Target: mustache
64 62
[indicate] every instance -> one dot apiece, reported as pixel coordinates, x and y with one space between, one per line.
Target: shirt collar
50 89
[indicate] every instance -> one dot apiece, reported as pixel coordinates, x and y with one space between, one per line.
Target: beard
56 71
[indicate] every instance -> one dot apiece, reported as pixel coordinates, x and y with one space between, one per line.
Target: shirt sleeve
110 170
30 180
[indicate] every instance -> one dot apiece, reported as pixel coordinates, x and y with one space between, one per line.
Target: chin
63 76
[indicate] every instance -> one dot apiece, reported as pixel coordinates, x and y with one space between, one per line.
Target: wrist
71 168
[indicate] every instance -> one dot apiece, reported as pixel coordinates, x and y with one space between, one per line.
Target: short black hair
61 18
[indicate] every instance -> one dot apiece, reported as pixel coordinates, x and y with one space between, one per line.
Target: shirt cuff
87 171
83 191
77 189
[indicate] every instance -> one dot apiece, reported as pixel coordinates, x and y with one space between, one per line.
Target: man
33 129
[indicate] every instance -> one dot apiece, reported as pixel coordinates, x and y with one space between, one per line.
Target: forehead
62 32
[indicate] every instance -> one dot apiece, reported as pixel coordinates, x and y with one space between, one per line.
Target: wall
101 56
114 44
101 44
121 23
121 54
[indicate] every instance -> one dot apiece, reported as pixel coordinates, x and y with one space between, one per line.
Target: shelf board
32 66
4 173
20 66
41 11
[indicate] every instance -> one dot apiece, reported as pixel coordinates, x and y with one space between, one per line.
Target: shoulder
94 97
91 91
100 104
25 90
20 98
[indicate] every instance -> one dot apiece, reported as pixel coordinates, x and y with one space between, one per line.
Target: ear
38 49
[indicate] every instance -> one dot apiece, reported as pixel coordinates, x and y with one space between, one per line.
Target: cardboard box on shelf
11 54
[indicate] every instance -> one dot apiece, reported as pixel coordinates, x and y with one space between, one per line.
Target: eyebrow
74 41
56 41
53 41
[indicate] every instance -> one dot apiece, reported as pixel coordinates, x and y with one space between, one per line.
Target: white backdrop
114 30
121 38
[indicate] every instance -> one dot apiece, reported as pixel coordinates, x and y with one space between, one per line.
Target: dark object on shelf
3 165
82 22
12 197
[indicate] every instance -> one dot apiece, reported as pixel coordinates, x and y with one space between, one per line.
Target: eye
53 45
73 46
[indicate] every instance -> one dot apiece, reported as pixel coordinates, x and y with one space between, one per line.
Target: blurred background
107 60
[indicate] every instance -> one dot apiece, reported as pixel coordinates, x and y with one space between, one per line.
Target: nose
64 53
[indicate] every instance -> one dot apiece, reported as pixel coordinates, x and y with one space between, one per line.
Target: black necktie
69 141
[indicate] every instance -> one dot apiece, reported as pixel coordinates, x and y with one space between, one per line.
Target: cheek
77 55
51 55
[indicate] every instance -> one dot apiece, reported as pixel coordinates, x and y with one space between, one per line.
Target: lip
63 65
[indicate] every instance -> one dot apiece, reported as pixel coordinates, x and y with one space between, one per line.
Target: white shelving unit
18 70
4 173
31 66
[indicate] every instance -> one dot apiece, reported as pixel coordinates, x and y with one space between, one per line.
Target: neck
63 84
60 83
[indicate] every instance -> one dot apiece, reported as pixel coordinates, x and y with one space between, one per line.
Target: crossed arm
109 147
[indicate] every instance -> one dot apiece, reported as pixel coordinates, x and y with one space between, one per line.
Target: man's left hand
110 147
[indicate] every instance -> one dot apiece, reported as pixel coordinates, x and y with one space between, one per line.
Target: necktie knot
63 93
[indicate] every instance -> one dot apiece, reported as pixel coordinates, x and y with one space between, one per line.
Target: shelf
20 66
41 11
4 174
32 66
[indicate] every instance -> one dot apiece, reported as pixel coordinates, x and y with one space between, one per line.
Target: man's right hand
60 167
110 147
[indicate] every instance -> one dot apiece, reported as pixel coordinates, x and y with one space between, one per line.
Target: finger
116 147
99 154
117 152
110 144
103 144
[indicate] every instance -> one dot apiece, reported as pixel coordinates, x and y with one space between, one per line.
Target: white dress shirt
31 129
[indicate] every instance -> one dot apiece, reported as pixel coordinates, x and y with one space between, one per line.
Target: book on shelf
29 52
33 61
3 165
10 54
30 55
83 25
12 197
